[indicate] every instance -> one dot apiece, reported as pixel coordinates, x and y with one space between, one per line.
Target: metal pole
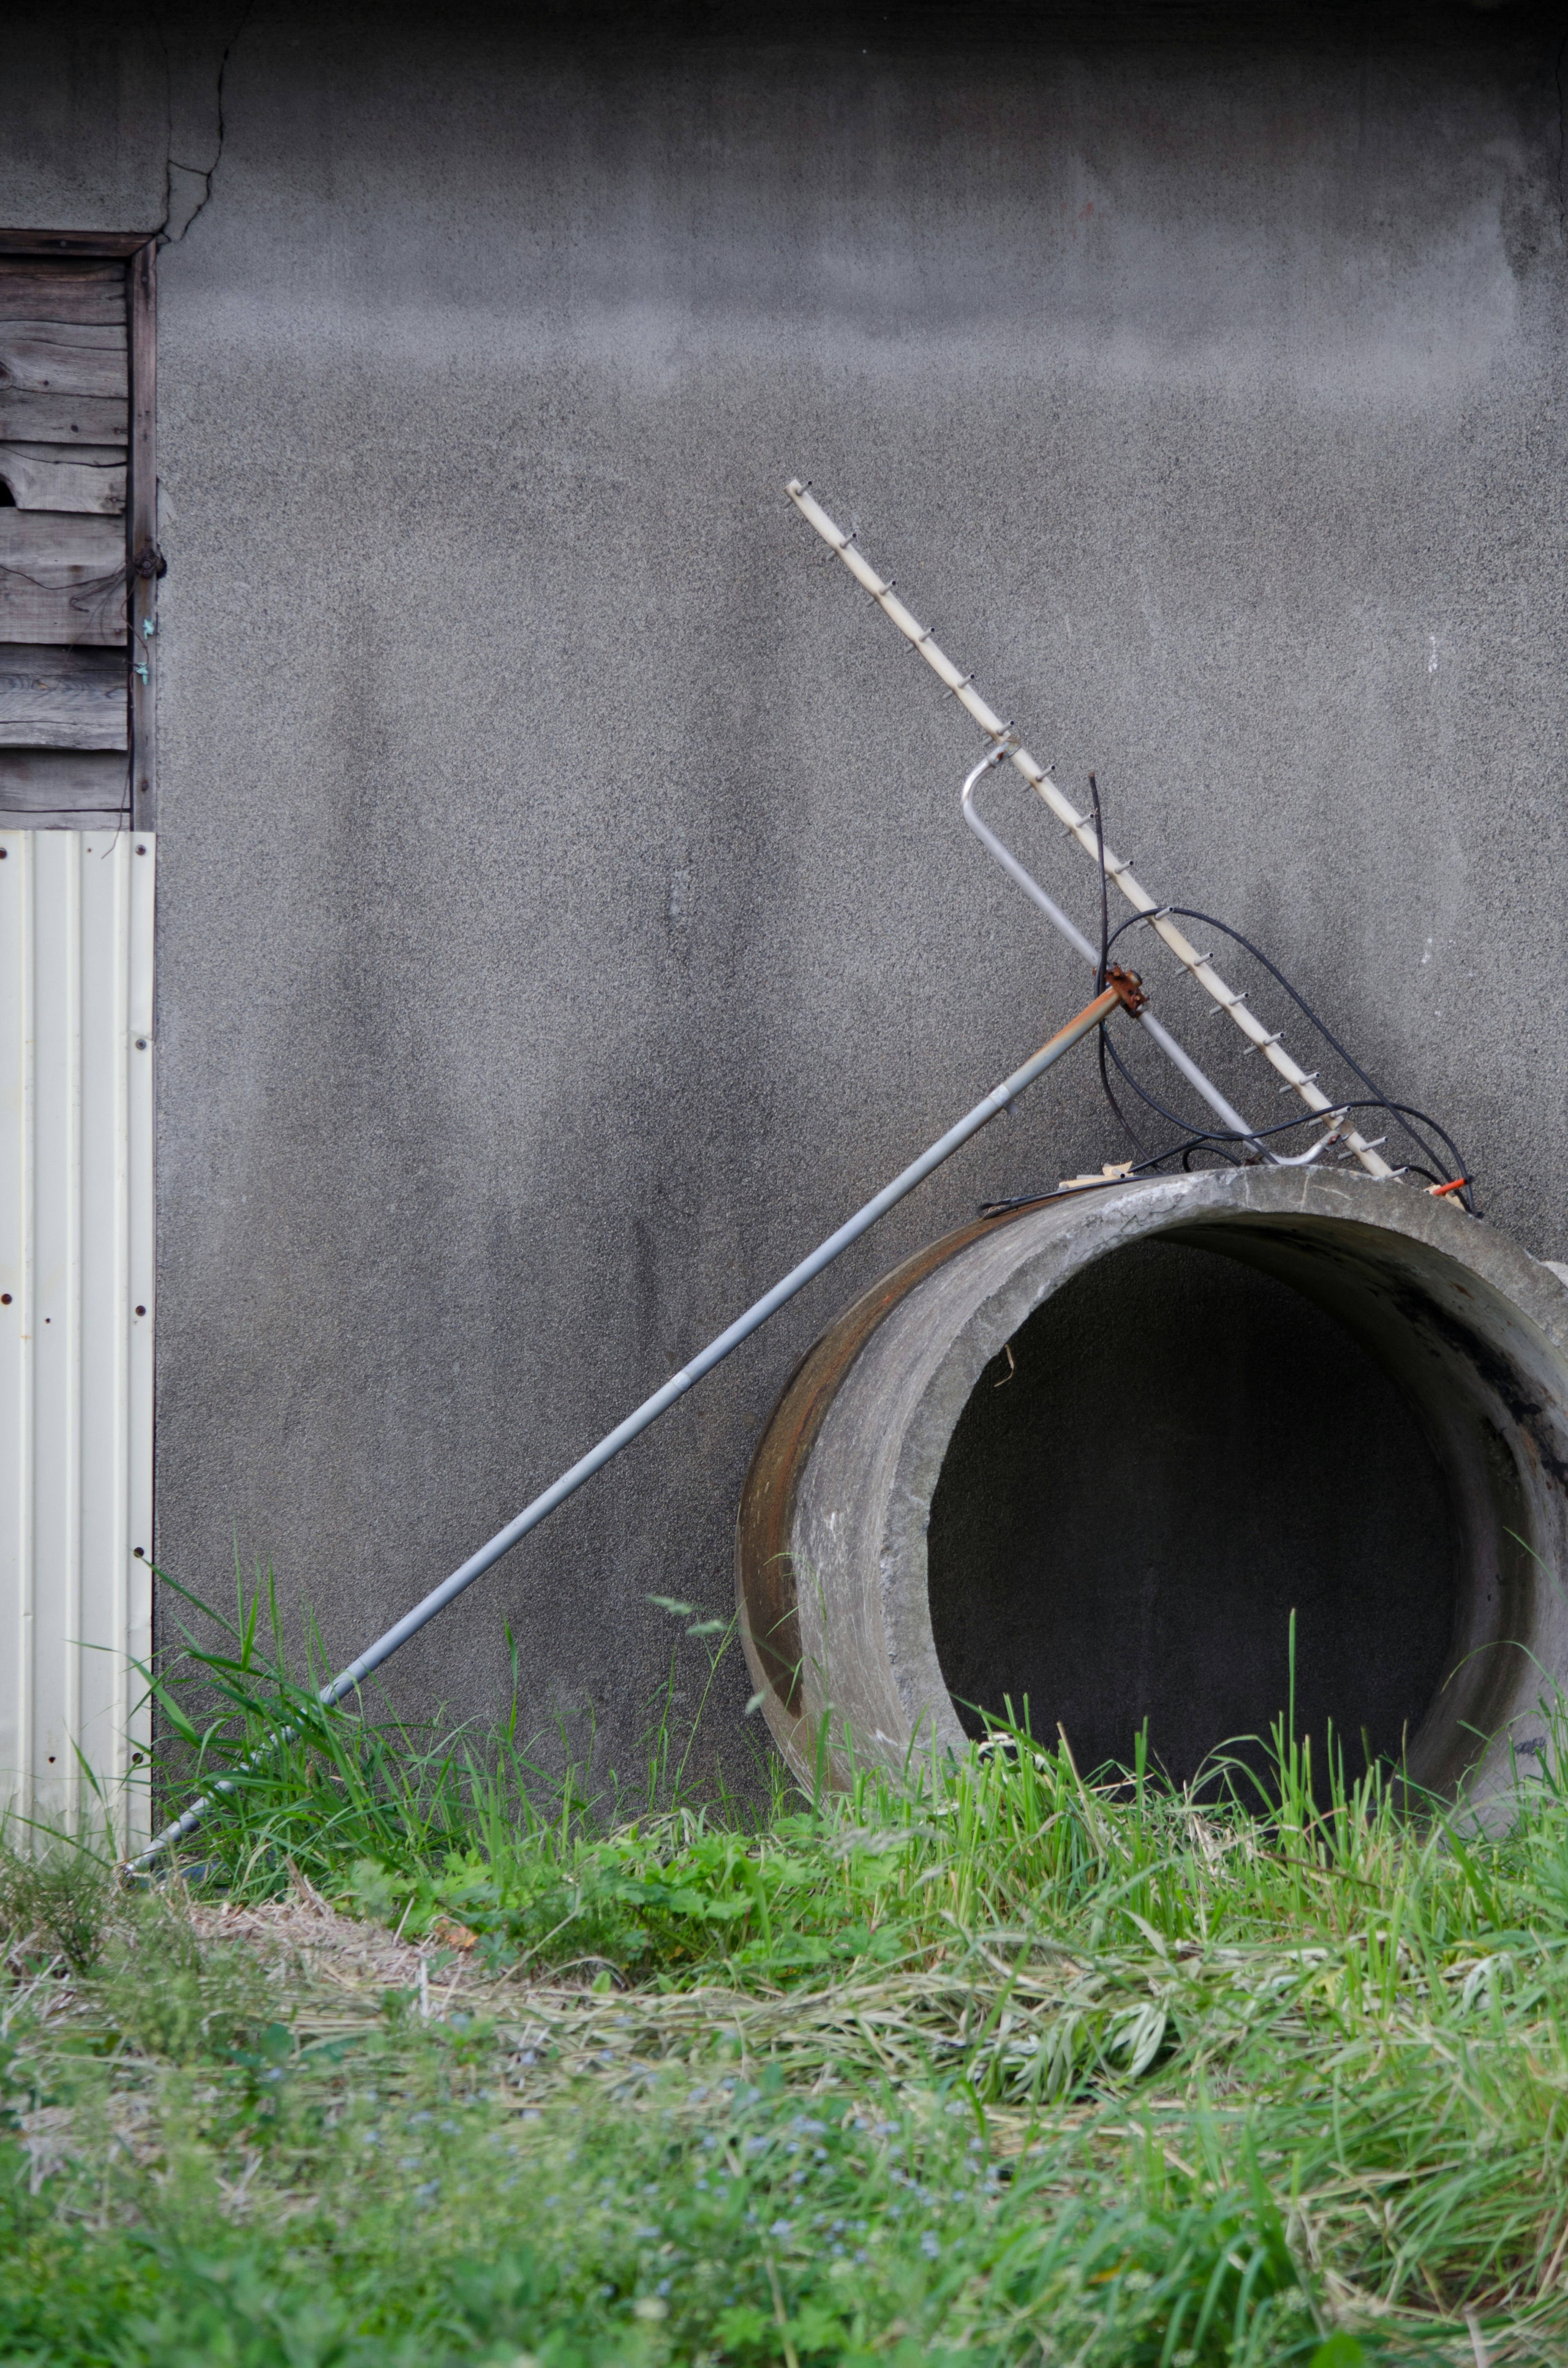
1121 994
1079 826
1232 1118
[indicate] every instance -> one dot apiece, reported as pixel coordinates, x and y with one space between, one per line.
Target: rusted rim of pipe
765 1574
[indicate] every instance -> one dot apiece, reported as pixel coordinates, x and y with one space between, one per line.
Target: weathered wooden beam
62 698
143 560
62 789
67 818
36 288
62 578
101 243
63 357
54 418
88 478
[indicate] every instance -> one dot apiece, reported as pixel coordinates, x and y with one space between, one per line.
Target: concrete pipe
1090 1457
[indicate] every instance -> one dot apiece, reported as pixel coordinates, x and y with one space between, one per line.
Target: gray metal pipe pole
1123 995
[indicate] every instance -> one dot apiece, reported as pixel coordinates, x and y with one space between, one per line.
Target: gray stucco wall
563 915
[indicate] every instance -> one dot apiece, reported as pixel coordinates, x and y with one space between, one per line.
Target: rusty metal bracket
1129 988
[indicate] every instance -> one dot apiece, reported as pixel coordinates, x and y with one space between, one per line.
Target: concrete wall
563 914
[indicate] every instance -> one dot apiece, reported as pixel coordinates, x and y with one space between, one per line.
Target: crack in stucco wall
192 120
1561 138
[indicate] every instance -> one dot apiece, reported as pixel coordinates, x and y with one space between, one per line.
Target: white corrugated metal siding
76 1322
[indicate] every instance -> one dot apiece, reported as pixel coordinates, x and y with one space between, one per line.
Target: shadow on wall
1183 1452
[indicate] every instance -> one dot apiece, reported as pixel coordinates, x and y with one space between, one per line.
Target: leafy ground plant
993 2063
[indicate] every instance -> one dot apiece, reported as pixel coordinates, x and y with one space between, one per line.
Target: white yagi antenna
1081 827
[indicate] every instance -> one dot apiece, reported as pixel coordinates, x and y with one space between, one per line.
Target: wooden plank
124 243
27 418
141 534
63 357
35 287
69 818
62 698
62 579
89 478
61 789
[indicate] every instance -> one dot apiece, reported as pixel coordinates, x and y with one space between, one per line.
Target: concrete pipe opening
1092 1457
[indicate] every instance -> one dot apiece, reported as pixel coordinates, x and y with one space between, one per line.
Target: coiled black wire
1203 1138
1214 1139
1105 1043
1400 1111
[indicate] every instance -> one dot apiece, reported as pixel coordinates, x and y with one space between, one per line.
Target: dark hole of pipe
1184 1453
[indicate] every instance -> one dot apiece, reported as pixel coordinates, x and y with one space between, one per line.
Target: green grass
996 2063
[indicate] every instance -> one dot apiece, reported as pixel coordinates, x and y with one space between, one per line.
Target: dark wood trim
119 244
142 533
62 781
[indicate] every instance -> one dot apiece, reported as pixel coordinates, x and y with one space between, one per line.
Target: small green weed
55 1899
170 1995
